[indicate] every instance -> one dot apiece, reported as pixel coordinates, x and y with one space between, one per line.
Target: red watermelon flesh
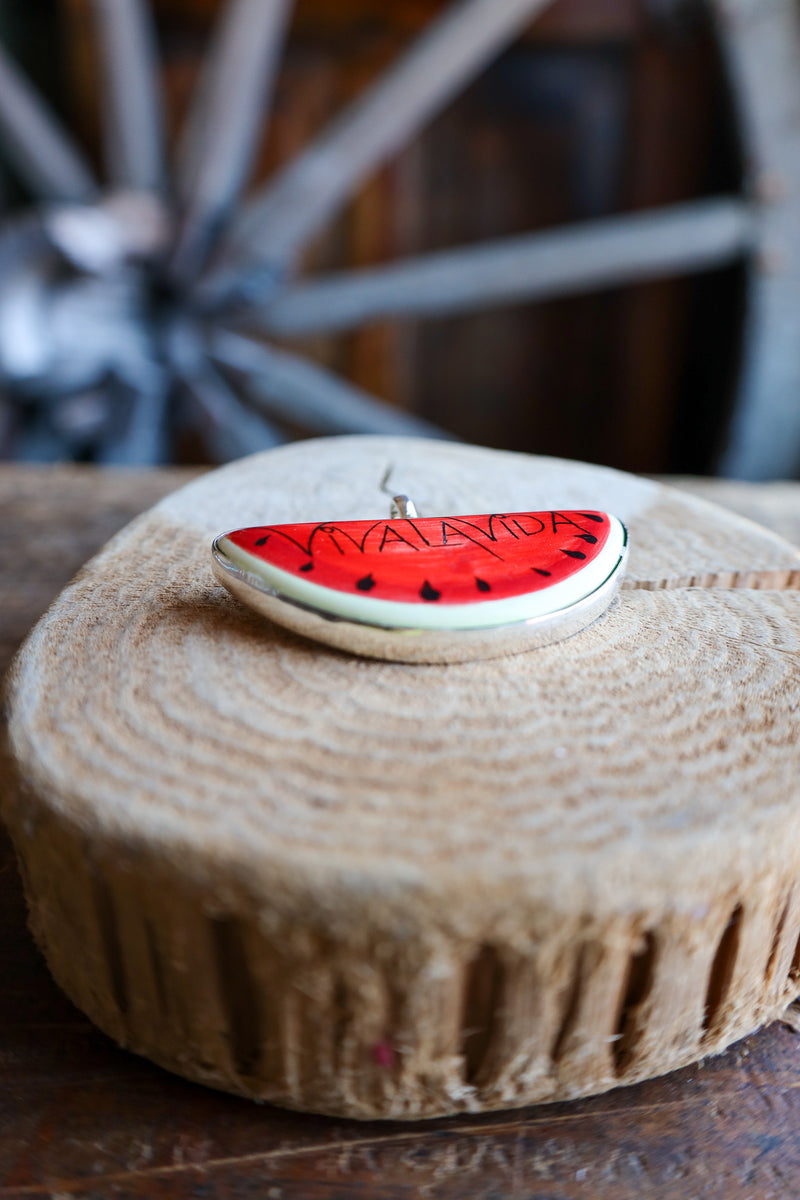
441 560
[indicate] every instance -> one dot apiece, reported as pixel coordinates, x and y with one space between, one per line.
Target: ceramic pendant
430 589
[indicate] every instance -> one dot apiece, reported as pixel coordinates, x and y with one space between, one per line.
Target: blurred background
679 352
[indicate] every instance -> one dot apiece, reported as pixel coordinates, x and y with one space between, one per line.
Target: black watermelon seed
307 567
574 553
539 571
366 584
429 593
261 541
591 517
587 537
483 586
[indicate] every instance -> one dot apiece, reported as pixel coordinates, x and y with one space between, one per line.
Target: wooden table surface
79 1117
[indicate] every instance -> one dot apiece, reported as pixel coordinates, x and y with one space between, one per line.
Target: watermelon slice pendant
430 589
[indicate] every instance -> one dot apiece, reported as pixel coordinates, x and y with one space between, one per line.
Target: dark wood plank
81 1118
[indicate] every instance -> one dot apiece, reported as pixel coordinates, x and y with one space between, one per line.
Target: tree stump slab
386 890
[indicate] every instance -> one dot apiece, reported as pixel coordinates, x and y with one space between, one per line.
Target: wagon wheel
228 268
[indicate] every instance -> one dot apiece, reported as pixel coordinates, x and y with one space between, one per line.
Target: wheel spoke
7 426
40 149
140 439
229 428
607 253
295 390
221 134
761 45
309 190
37 441
131 100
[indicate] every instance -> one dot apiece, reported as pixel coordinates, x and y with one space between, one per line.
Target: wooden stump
378 889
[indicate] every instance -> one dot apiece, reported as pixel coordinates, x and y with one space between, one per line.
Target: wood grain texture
80 1117
771 504
53 519
266 864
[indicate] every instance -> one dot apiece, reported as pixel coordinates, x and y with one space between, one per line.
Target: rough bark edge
222 995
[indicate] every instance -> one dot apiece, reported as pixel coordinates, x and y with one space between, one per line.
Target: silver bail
403 507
